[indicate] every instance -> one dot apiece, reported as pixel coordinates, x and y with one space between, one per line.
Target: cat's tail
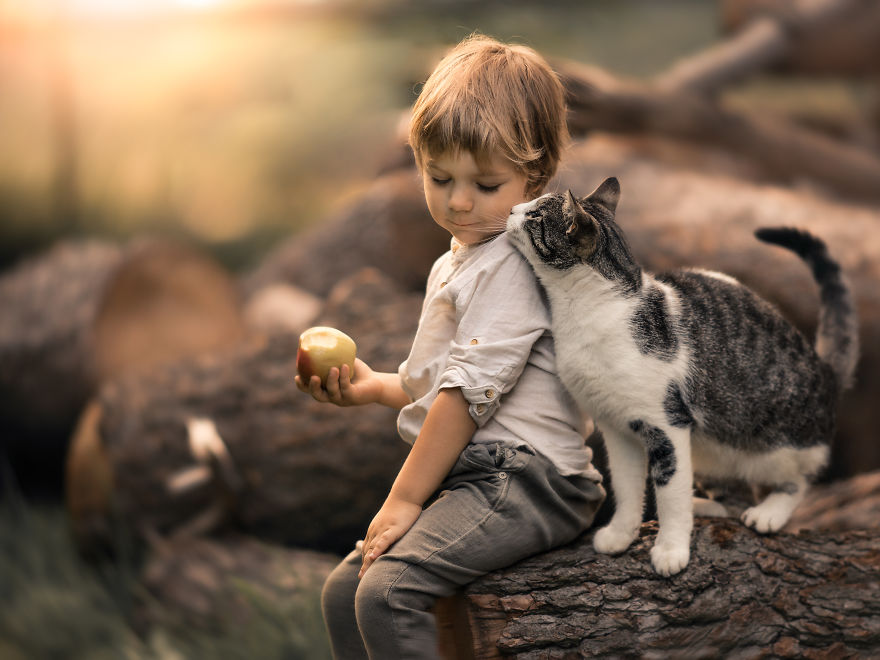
837 337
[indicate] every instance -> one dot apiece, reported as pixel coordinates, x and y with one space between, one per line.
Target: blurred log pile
228 440
87 312
191 432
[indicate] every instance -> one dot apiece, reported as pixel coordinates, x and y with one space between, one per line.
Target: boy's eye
440 182
488 189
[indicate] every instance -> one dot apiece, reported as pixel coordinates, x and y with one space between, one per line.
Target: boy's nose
460 200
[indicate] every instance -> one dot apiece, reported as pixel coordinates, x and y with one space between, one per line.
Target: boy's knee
339 588
374 588
386 587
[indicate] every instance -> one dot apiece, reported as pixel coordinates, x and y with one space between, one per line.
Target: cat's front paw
669 559
612 540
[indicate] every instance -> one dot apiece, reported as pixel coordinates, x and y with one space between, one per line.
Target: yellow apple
320 349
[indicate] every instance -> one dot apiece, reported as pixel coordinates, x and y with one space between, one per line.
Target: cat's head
561 232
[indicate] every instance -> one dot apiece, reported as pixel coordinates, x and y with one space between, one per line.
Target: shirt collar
461 251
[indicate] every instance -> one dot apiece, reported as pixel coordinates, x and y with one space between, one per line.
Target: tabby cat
686 372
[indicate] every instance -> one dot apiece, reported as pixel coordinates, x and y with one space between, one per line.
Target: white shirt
485 328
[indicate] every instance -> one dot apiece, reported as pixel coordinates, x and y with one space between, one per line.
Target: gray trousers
497 506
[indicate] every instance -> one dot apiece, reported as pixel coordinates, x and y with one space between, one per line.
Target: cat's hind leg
707 508
776 509
627 464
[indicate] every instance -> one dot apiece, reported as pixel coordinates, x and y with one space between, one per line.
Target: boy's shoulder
504 254
497 256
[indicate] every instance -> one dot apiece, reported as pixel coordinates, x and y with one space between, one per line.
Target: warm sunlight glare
137 7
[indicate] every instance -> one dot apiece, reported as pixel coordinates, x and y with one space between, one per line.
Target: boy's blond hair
487 97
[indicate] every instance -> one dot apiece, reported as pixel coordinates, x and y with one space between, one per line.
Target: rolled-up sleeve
502 315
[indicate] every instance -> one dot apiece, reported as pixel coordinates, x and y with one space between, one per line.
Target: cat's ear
571 208
607 194
582 231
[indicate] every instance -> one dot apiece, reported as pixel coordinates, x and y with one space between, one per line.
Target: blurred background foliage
233 124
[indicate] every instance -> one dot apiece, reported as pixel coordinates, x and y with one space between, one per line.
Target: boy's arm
447 430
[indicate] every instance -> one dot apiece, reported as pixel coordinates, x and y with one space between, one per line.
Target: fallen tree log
85 312
845 40
742 595
767 37
387 227
840 506
679 218
49 307
782 151
228 441
247 593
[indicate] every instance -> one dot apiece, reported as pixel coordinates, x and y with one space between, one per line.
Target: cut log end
165 302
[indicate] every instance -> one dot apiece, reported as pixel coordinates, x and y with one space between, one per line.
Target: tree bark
742 595
268 459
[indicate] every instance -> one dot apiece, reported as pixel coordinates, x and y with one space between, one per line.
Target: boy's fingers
333 384
316 390
381 545
345 379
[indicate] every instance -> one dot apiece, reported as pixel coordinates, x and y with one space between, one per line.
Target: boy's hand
393 520
340 390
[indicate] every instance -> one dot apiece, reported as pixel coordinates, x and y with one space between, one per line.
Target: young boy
498 469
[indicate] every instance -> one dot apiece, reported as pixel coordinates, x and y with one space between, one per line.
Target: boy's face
469 201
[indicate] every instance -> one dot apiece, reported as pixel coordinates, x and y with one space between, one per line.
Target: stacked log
822 37
229 441
778 150
231 582
85 312
388 228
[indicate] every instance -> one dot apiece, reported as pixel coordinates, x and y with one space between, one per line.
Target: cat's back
753 376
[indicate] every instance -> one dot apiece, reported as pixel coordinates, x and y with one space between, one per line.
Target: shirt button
490 394
480 408
442 284
502 475
474 342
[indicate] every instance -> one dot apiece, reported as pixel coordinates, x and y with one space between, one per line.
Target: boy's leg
497 507
337 605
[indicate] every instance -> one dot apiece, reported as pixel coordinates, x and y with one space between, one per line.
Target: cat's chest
600 360
593 341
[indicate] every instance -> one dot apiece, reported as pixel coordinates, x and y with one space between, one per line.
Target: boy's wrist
391 392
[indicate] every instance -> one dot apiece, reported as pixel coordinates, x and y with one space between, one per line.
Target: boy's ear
607 194
582 231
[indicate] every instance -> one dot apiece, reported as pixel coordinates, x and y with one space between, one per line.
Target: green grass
54 604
